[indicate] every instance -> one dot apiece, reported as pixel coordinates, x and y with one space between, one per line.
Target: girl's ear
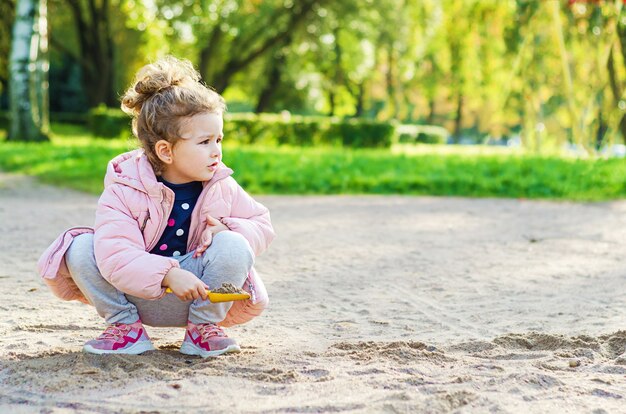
163 150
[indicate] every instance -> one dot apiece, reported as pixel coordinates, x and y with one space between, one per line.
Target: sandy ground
379 304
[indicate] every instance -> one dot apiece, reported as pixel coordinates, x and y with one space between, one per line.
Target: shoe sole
189 349
134 349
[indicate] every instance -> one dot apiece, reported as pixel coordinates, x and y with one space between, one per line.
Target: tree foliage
553 72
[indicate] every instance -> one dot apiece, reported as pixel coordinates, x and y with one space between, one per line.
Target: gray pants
227 260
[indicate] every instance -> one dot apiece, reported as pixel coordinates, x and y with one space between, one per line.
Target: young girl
171 216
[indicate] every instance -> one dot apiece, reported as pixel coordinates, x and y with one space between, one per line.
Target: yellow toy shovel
216 297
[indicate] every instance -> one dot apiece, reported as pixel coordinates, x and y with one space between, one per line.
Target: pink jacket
131 216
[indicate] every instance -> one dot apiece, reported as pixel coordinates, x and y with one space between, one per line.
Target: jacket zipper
162 224
143 226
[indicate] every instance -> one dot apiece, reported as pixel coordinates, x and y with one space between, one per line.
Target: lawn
75 159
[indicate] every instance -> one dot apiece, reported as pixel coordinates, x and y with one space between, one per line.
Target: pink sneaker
206 340
121 338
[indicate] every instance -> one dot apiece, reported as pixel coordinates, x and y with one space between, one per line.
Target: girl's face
196 156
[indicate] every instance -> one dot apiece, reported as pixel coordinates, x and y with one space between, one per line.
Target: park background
338 110
515 98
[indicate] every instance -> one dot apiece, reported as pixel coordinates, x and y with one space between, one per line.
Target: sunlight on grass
74 159
442 149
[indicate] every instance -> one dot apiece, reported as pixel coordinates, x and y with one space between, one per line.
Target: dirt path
379 304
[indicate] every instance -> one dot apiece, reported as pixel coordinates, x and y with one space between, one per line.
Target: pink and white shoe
121 338
207 340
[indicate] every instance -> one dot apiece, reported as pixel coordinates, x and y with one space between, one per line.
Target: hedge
106 122
61 117
425 134
275 129
309 130
271 129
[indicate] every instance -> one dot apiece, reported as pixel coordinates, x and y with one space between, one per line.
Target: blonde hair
162 94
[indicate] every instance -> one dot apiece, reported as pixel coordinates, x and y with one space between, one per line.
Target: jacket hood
133 169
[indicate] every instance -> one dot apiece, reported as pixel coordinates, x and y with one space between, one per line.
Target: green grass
74 159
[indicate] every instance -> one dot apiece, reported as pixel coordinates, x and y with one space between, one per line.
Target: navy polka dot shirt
173 241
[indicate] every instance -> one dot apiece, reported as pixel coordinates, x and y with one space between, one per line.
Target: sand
229 288
496 306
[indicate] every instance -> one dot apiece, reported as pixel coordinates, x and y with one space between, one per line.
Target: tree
461 35
232 35
246 47
356 34
617 85
28 71
274 72
7 13
92 23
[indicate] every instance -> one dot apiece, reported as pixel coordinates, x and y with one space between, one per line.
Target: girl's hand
213 226
184 284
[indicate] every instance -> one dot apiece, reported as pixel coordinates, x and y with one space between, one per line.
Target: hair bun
156 77
151 85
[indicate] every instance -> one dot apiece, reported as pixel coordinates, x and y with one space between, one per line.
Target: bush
425 134
365 133
308 130
278 129
109 122
60 117
75 118
271 129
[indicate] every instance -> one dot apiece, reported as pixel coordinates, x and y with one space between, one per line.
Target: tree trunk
458 121
208 52
360 98
7 15
332 102
29 73
357 90
616 90
273 80
529 120
43 65
107 60
621 34
567 76
275 73
93 27
601 132
410 109
391 89
431 111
